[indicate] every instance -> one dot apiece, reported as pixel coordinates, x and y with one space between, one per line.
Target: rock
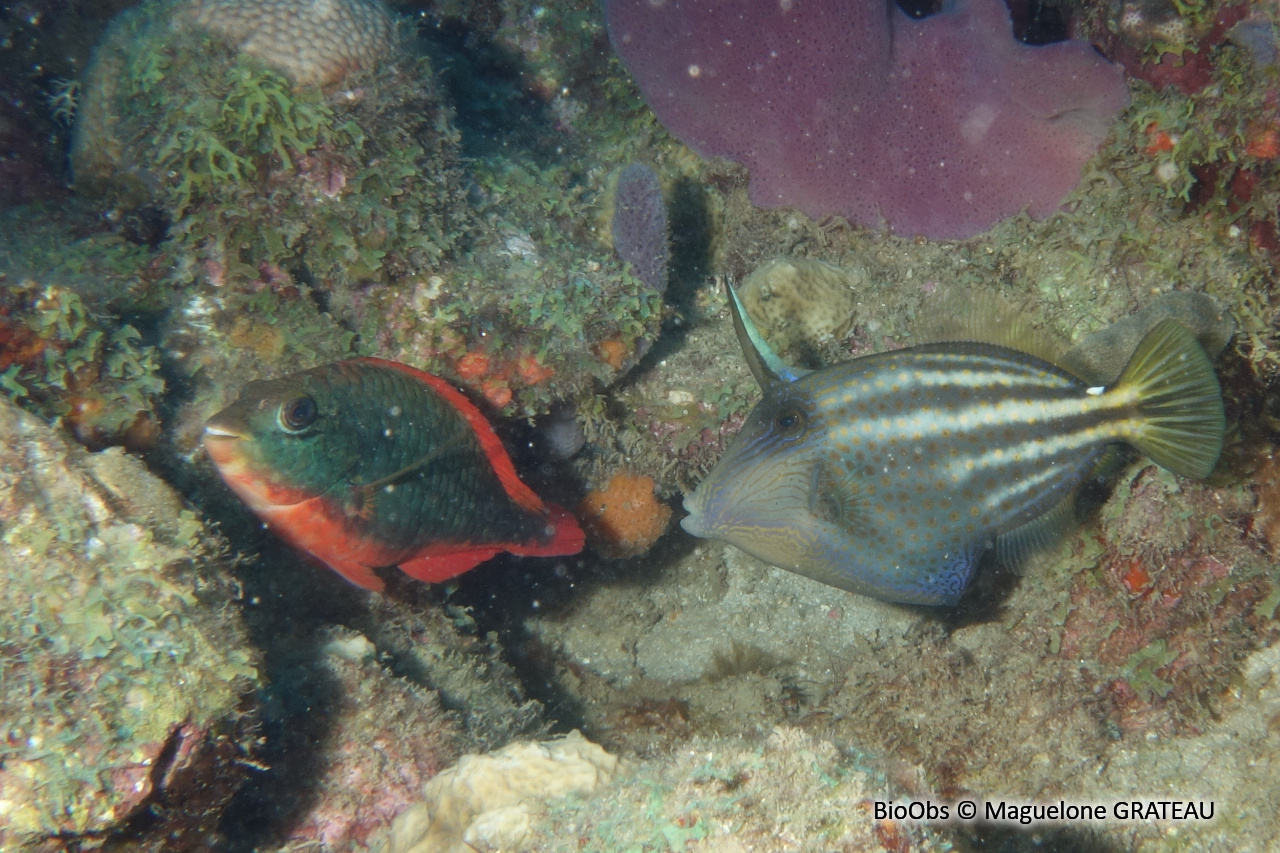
125 671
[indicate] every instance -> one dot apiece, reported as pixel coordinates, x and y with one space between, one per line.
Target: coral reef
26 175
1267 513
625 518
640 233
125 672
93 373
313 44
282 198
787 791
490 802
937 127
381 739
454 213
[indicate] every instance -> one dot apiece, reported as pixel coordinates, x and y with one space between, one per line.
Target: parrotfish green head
759 497
283 441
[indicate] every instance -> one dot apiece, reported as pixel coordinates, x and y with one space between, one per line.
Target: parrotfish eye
297 414
790 423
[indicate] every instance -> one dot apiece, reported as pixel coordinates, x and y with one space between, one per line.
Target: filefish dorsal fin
987 318
765 364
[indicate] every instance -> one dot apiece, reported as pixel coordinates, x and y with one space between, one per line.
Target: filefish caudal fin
1179 401
890 474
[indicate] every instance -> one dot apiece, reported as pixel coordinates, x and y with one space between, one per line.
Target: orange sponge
624 517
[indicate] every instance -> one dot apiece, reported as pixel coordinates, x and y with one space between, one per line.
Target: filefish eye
297 414
790 423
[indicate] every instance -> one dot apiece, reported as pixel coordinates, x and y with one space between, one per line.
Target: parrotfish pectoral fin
764 363
490 444
358 573
1178 399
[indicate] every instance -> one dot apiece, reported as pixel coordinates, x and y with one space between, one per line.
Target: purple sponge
640 234
937 127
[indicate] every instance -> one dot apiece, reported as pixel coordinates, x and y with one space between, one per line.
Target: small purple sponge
640 226
937 127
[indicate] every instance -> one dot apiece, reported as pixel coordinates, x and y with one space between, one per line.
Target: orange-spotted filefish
368 463
890 475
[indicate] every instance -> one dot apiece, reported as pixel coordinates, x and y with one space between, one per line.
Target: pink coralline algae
938 127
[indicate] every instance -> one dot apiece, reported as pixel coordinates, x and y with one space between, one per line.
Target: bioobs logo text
1002 811
912 810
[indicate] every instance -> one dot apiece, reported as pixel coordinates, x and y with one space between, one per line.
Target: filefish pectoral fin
1179 401
838 498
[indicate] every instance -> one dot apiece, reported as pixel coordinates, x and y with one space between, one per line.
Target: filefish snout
758 499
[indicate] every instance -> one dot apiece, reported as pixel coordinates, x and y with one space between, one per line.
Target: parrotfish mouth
254 486
222 446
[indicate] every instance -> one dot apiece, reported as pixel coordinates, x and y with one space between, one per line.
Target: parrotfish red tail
566 539
449 561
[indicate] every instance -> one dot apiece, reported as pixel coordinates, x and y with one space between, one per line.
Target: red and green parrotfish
368 463
890 475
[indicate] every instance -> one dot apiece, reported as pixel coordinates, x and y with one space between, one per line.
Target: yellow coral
487 802
313 42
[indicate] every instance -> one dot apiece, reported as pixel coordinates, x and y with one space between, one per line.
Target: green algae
92 370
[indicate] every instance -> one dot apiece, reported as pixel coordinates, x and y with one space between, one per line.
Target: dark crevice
1035 22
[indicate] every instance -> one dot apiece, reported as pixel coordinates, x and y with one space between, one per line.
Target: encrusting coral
489 802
